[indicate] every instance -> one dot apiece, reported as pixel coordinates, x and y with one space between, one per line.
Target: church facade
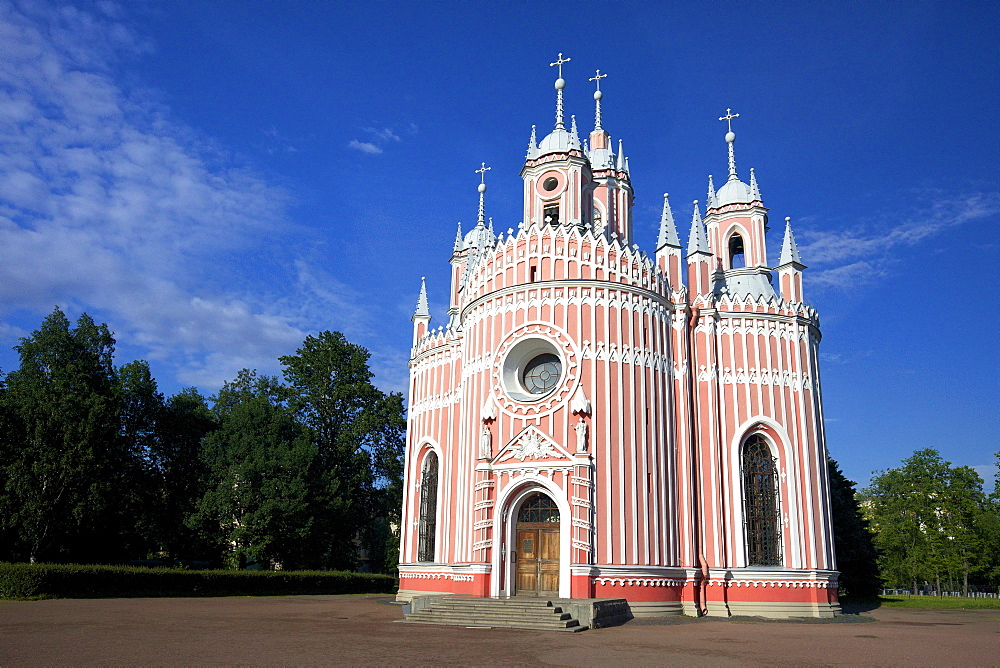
596 422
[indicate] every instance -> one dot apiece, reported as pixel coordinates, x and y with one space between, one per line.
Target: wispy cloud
863 253
383 134
364 146
108 205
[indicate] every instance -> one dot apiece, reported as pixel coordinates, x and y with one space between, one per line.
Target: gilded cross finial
482 172
560 62
728 118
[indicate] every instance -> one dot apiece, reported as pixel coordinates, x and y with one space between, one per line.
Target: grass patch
924 602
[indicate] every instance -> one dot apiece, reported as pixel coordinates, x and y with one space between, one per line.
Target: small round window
542 373
550 183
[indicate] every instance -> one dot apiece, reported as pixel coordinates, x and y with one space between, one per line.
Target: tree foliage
928 520
260 463
857 559
95 465
62 453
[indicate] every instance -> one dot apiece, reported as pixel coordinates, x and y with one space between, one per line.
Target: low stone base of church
656 591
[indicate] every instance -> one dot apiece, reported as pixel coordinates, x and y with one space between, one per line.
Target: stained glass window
761 512
538 508
428 508
541 374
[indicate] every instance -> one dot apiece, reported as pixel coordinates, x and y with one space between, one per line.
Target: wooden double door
536 567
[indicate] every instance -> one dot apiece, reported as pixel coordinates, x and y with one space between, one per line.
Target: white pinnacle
730 139
560 84
789 252
597 99
668 230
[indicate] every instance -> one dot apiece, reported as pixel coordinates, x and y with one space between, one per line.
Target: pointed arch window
428 508
761 512
737 259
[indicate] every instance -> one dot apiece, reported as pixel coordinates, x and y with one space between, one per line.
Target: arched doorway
536 547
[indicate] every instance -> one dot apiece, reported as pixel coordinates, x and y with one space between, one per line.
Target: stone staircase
533 614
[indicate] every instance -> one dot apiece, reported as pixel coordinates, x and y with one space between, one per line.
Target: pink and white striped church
596 422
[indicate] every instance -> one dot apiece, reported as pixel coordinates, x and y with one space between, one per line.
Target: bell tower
736 222
556 173
611 191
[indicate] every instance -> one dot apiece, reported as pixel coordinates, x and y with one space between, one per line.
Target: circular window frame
516 362
557 191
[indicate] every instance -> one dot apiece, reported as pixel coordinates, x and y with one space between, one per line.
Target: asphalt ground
363 630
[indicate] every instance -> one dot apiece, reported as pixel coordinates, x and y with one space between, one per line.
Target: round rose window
542 374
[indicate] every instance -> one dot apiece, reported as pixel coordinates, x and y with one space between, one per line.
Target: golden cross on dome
728 118
560 61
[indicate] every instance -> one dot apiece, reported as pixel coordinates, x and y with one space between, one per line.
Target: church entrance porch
536 548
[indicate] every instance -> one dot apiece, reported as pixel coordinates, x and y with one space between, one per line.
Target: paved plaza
362 630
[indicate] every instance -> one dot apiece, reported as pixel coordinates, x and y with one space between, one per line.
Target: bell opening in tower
737 259
550 215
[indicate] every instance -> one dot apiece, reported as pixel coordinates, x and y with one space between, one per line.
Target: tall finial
459 245
597 98
422 310
730 138
789 251
668 230
560 84
482 192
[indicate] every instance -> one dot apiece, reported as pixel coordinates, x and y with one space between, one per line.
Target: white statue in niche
485 443
581 436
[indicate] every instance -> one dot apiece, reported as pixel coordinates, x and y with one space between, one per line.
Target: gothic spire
668 230
754 190
458 238
621 158
711 194
560 85
697 239
730 139
597 99
422 310
789 252
482 194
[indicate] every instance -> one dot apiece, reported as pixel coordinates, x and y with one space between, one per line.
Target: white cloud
364 146
845 258
108 205
384 134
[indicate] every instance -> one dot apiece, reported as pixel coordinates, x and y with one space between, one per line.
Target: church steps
537 615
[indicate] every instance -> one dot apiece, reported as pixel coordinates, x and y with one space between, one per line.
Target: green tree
139 409
857 559
181 475
924 517
60 455
260 460
358 432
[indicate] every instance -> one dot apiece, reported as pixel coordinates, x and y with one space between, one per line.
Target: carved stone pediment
531 446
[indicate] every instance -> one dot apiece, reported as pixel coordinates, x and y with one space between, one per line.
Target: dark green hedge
75 581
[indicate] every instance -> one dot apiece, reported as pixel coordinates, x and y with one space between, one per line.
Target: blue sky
215 180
